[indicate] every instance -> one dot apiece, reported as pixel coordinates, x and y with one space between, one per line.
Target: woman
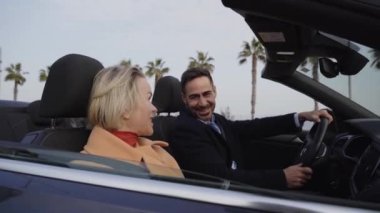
121 112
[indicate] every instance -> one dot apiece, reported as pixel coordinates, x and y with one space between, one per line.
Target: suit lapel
230 142
220 141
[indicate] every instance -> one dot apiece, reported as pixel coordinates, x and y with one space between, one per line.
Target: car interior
347 160
167 99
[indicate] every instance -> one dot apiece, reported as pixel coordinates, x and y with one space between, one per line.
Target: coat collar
156 159
103 142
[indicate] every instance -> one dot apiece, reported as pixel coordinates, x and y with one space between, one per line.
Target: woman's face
139 120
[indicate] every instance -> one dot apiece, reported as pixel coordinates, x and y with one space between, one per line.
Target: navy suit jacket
198 147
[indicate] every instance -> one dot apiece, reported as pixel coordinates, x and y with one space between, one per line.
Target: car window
364 87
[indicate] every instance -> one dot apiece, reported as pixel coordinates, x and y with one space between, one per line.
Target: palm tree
254 50
313 61
44 73
202 61
156 68
128 63
376 58
15 74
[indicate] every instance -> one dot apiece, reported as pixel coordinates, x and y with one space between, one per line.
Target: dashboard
358 154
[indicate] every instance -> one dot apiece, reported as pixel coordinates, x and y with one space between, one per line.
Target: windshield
363 87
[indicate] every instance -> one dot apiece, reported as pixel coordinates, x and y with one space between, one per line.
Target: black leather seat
66 94
39 122
168 100
15 122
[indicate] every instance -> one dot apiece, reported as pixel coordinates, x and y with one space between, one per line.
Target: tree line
253 51
155 68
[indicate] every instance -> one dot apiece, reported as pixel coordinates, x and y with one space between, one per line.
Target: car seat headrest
167 95
34 112
68 86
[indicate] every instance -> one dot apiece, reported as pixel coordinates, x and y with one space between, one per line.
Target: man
206 142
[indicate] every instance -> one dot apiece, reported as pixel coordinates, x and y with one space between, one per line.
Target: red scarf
130 138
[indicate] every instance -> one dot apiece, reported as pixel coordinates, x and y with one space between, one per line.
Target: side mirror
329 68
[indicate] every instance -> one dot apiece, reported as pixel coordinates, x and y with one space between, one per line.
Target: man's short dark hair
193 73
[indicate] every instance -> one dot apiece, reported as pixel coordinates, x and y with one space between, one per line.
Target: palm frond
246 46
242 61
156 68
203 60
165 70
18 67
245 54
262 57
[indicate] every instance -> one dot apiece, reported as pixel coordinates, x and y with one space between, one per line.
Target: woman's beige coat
156 159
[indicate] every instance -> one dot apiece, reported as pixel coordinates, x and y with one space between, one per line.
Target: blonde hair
113 93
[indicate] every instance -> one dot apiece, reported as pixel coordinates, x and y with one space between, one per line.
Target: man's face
199 97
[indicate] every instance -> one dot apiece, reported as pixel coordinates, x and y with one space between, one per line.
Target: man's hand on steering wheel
313 144
297 175
315 116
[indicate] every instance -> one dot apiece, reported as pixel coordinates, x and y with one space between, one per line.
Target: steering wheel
313 146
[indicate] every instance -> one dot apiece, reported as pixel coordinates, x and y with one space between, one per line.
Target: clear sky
37 32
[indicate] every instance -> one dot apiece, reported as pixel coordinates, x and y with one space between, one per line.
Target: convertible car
41 169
